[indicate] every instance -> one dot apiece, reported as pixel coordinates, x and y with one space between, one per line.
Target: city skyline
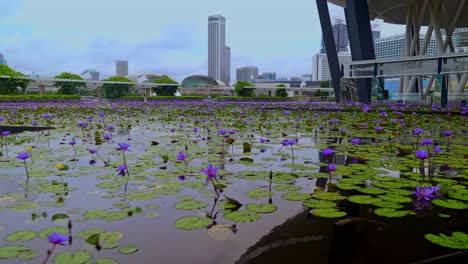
38 37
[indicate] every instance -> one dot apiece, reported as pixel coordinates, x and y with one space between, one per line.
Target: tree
68 87
165 90
281 92
324 84
117 90
240 89
10 85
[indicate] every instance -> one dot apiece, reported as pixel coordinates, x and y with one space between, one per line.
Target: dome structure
201 80
2 59
146 77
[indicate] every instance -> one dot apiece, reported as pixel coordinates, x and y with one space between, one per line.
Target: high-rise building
269 75
321 70
219 55
461 39
340 34
247 73
394 46
121 68
90 75
2 59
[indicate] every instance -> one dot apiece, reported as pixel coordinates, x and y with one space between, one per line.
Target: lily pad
391 212
331 196
363 199
388 204
312 203
89 232
458 240
44 233
328 213
287 188
106 261
192 222
450 203
77 257
128 249
23 235
242 216
261 208
258 193
295 196
12 251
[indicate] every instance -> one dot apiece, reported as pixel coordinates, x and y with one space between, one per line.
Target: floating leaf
287 188
12 251
242 216
458 240
44 233
328 213
363 199
128 249
390 212
312 203
78 257
28 255
388 204
59 216
449 203
105 261
192 222
332 196
258 193
395 198
23 235
93 240
370 190
89 232
110 240
262 208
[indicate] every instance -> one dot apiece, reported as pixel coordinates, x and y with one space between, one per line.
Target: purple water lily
181 156
355 141
122 169
211 173
448 133
427 192
422 154
58 239
23 156
331 167
328 152
124 146
427 142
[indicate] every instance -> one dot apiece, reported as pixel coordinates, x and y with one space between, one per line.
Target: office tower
218 53
321 70
340 34
394 46
121 68
247 74
269 75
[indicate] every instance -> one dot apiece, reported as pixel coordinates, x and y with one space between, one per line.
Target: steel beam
361 41
329 41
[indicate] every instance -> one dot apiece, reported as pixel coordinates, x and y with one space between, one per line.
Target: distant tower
340 34
2 59
247 74
121 68
219 54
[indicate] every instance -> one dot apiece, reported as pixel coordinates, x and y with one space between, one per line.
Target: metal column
360 41
330 47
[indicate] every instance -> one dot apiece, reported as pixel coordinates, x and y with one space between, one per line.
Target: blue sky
51 36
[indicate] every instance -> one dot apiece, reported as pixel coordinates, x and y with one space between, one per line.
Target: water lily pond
232 182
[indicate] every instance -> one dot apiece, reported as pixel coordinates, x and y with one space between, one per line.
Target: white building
394 46
121 68
321 70
247 73
219 55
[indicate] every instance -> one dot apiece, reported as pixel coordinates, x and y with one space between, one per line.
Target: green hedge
139 97
259 98
35 97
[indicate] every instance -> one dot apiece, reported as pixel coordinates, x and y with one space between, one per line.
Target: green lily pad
391 212
23 235
369 190
192 222
89 232
458 240
459 194
387 204
106 261
312 203
153 206
261 208
77 257
395 198
363 199
287 188
242 216
96 213
28 255
128 249
190 205
12 251
110 240
258 193
449 203
328 213
295 196
44 233
114 216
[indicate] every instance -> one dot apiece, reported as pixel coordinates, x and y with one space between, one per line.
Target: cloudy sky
52 36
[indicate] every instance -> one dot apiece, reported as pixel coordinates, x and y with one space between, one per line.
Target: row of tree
246 89
10 86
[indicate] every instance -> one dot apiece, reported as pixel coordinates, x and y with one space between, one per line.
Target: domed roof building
146 77
2 59
201 81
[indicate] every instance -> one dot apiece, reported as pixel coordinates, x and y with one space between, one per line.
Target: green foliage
165 90
324 84
240 89
117 90
35 97
162 98
68 87
318 93
10 86
458 240
281 92
259 98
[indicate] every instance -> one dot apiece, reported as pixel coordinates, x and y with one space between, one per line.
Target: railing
450 63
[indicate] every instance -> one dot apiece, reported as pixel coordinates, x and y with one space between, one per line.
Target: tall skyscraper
340 34
2 59
219 55
247 74
121 68
394 46
321 70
